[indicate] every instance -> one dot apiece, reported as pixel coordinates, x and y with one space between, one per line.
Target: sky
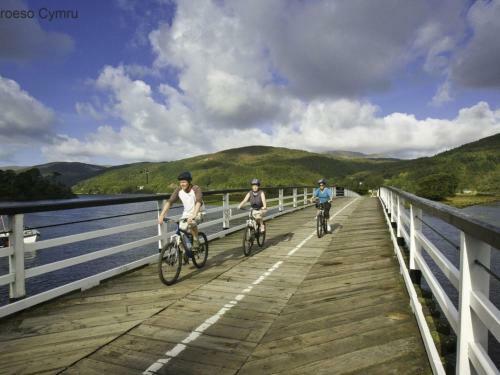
122 81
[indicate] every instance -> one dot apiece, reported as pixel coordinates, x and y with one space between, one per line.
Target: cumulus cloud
281 73
443 94
25 40
23 119
478 64
356 126
22 115
320 48
170 129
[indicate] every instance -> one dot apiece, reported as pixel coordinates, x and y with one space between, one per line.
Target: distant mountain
474 166
67 173
227 169
357 155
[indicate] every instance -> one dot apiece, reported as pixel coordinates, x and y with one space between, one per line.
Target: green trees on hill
31 185
437 186
472 167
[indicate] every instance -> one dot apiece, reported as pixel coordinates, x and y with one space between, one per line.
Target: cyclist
323 195
191 198
257 200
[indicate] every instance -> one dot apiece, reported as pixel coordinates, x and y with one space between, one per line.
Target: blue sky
158 80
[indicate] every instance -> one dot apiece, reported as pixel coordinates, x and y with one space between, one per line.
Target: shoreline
462 201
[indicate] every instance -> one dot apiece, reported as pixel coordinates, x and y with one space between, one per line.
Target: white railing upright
476 314
19 274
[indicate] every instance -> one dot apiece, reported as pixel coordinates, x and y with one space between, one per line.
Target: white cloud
478 64
24 121
283 74
22 116
443 94
88 109
168 130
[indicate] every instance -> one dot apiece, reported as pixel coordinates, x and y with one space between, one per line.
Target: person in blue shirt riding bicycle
323 195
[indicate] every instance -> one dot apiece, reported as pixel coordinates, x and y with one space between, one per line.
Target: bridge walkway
300 305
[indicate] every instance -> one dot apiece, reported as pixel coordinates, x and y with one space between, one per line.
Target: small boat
30 235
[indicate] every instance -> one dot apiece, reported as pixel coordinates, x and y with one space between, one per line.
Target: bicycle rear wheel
261 236
200 255
319 226
169 264
248 237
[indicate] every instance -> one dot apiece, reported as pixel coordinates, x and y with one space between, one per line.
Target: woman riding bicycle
257 200
191 198
324 196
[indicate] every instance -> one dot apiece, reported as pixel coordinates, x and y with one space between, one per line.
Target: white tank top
188 200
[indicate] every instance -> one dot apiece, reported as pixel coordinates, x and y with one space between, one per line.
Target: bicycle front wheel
169 264
319 226
248 241
200 255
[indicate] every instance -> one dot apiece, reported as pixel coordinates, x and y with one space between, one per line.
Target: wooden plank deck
329 305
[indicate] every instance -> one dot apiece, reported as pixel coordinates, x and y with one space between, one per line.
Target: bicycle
179 247
321 221
252 232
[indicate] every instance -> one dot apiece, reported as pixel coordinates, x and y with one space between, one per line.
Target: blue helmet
255 181
322 181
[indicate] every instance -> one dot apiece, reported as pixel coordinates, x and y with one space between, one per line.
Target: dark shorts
326 207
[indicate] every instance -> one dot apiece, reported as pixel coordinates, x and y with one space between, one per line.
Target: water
488 213
54 279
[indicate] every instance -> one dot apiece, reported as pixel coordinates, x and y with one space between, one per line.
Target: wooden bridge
332 305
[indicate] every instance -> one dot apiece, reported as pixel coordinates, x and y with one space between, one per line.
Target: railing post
16 260
294 197
226 212
162 228
335 192
305 196
472 278
389 205
399 222
415 248
280 200
394 209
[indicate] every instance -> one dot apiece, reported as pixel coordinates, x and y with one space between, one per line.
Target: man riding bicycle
324 196
191 198
257 200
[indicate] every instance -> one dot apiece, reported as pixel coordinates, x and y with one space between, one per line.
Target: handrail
18 273
66 204
476 315
479 229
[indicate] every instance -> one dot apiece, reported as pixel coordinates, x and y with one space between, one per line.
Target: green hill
474 166
227 169
66 173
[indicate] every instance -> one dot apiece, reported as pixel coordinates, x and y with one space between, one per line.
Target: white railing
476 315
18 274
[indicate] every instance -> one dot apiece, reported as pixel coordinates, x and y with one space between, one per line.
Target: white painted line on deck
179 348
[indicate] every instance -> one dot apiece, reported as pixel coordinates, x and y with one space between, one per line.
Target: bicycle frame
177 236
251 221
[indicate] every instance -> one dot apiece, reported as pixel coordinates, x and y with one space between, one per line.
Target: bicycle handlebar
167 219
